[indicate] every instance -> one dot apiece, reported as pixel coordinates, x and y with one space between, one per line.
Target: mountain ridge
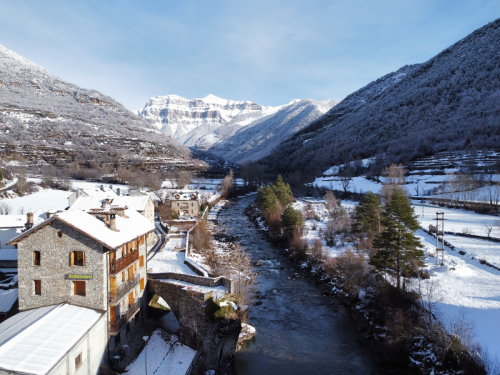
450 102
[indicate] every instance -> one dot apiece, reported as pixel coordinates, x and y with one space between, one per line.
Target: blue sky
269 51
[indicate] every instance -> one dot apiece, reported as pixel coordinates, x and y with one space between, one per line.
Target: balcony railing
124 288
116 326
124 262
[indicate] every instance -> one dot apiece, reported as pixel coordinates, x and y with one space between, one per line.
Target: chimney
118 191
29 220
112 222
102 187
48 214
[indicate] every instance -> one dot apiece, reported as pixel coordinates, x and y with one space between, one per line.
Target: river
298 331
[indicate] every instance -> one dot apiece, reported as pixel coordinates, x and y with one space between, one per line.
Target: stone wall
55 266
197 280
189 309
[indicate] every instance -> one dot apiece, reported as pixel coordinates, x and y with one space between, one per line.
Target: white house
57 340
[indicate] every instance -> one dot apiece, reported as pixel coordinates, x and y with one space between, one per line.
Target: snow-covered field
40 202
165 356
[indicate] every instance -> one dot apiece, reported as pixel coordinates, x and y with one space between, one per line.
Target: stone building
185 203
94 259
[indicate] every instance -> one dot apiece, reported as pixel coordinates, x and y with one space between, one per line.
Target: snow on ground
218 291
466 286
169 260
457 220
314 228
78 184
463 284
40 202
358 184
165 356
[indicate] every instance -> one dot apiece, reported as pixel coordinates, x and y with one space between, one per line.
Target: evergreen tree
291 219
368 215
266 199
399 249
282 191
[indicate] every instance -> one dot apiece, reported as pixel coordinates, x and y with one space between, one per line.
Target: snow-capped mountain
187 120
38 108
261 136
208 122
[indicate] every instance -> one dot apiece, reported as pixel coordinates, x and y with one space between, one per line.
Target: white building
57 340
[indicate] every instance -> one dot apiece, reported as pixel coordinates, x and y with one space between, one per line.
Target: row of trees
274 203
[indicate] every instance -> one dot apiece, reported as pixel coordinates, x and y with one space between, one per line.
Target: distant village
73 282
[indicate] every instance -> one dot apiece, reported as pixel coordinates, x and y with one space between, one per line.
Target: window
142 284
141 261
38 287
123 276
79 288
78 361
77 258
59 234
36 258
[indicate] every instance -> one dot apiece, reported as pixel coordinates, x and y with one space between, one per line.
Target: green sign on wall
74 276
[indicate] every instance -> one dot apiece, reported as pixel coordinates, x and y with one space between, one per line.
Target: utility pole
439 237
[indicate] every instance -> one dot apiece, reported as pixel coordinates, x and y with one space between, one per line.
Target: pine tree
368 215
266 199
400 250
282 191
291 219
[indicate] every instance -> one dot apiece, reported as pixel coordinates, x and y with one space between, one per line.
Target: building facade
94 259
185 204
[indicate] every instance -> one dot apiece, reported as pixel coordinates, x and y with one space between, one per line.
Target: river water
298 331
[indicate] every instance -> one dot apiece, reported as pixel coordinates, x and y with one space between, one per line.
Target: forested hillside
451 102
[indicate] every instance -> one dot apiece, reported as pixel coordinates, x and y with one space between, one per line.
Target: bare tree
5 208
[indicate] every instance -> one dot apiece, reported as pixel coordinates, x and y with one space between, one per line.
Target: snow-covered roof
7 299
137 203
34 341
12 221
130 227
105 192
184 195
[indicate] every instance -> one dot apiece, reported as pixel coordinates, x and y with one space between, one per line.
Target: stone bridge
187 295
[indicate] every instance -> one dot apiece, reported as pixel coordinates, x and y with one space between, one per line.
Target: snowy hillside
260 137
59 113
448 103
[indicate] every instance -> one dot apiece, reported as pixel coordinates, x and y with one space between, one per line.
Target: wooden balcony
124 288
114 327
122 263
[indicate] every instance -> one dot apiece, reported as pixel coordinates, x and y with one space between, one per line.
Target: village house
185 203
94 259
100 192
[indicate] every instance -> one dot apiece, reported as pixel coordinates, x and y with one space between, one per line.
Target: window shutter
72 258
